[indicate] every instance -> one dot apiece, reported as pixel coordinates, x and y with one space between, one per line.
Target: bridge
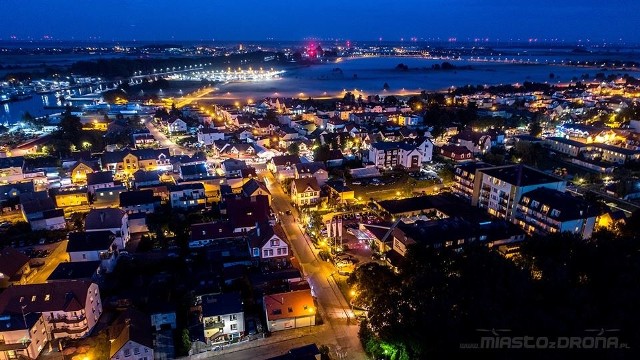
228 75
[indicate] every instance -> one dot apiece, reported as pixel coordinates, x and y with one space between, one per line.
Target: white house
112 219
187 196
289 310
93 246
22 336
222 317
71 308
305 191
177 126
131 337
269 244
207 136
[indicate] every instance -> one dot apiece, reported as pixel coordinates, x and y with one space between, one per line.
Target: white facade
177 125
131 350
207 138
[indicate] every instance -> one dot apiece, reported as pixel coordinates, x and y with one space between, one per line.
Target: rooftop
520 175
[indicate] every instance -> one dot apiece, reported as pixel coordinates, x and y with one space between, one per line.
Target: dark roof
138 197
80 270
8 191
110 157
90 241
65 296
9 162
452 229
520 175
264 232
193 169
146 176
210 231
233 164
310 167
284 160
246 212
221 304
303 183
189 186
567 141
131 325
338 186
252 185
616 149
37 204
12 322
455 149
568 207
11 261
104 218
99 177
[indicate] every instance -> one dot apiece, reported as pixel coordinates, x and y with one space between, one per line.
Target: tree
185 341
293 149
535 129
322 153
390 100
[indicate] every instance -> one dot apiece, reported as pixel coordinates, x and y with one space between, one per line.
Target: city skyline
357 21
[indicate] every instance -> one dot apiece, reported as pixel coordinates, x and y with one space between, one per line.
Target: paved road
341 329
164 141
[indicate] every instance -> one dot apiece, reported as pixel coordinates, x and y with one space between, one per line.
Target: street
340 330
164 141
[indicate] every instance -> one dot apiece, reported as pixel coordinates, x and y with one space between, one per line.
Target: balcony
67 319
212 324
69 330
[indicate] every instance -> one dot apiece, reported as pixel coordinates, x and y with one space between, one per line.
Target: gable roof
211 231
310 167
104 218
265 232
138 197
304 183
99 177
246 212
221 304
70 295
90 241
131 325
11 261
284 160
252 186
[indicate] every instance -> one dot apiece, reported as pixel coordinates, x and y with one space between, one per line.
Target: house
193 171
99 180
233 167
126 162
79 171
93 246
253 188
70 308
146 178
108 197
339 192
177 126
464 178
289 310
476 142
111 219
187 196
207 136
245 213
130 337
269 245
565 146
238 151
207 233
23 337
39 210
82 270
616 154
11 169
14 267
409 154
315 169
305 191
282 166
10 194
143 139
456 152
545 211
222 317
137 201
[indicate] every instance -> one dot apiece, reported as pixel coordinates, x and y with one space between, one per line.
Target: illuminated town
321 198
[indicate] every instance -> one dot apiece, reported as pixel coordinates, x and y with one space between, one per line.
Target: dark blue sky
598 20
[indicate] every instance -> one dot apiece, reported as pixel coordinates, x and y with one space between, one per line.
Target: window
234 326
127 352
233 317
136 351
275 242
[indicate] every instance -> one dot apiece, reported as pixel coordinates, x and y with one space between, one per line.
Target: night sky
158 20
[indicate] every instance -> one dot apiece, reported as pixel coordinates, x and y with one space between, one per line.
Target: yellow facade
79 173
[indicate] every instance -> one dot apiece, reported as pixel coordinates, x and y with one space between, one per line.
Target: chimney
257 229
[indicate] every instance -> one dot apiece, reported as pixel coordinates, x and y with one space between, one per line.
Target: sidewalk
275 338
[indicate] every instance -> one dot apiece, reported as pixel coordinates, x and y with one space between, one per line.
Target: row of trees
559 285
